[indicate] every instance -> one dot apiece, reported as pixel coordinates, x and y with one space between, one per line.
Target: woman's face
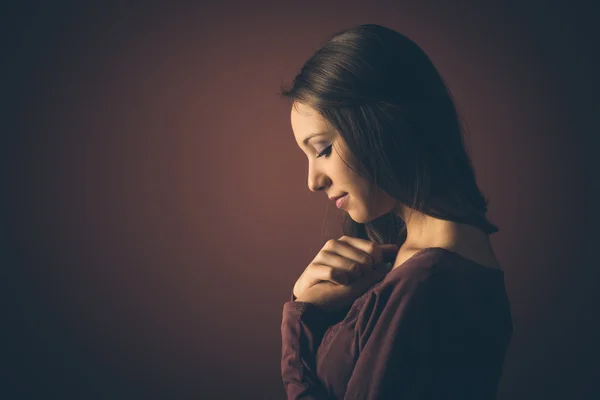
328 172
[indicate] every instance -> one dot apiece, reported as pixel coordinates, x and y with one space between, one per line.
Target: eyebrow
306 139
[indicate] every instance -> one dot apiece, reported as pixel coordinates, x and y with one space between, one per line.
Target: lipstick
340 202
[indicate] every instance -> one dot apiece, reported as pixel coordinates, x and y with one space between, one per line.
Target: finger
366 246
379 252
328 273
349 251
353 268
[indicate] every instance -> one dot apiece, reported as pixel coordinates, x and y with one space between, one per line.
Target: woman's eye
325 152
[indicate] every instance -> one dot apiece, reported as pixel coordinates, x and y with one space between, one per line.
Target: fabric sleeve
395 334
302 329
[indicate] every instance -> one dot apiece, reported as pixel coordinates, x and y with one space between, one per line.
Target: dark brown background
156 210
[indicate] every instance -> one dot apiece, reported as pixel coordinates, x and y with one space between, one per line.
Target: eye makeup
326 152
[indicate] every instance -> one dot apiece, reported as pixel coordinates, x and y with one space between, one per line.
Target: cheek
371 198
359 194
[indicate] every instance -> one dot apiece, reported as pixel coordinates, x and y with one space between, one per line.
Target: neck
426 231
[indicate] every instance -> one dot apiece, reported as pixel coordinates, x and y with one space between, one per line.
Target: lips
334 198
340 201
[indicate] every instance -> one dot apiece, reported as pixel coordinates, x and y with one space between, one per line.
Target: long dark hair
395 113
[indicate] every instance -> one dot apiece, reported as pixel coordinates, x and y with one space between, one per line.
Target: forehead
306 120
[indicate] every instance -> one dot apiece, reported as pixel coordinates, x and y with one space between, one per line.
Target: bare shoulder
483 256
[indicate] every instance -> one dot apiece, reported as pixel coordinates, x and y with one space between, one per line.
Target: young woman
384 141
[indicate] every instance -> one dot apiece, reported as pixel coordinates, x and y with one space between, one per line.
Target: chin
359 219
365 217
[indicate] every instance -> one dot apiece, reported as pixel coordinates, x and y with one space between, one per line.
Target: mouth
339 202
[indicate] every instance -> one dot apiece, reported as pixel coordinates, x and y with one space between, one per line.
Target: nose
317 181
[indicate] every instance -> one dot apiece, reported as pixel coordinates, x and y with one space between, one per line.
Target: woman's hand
343 261
332 297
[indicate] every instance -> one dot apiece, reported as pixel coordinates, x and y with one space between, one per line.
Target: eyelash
327 150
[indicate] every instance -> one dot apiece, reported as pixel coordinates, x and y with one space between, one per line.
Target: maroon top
435 328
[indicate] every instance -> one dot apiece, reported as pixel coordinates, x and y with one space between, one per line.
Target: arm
394 338
423 338
302 328
396 345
